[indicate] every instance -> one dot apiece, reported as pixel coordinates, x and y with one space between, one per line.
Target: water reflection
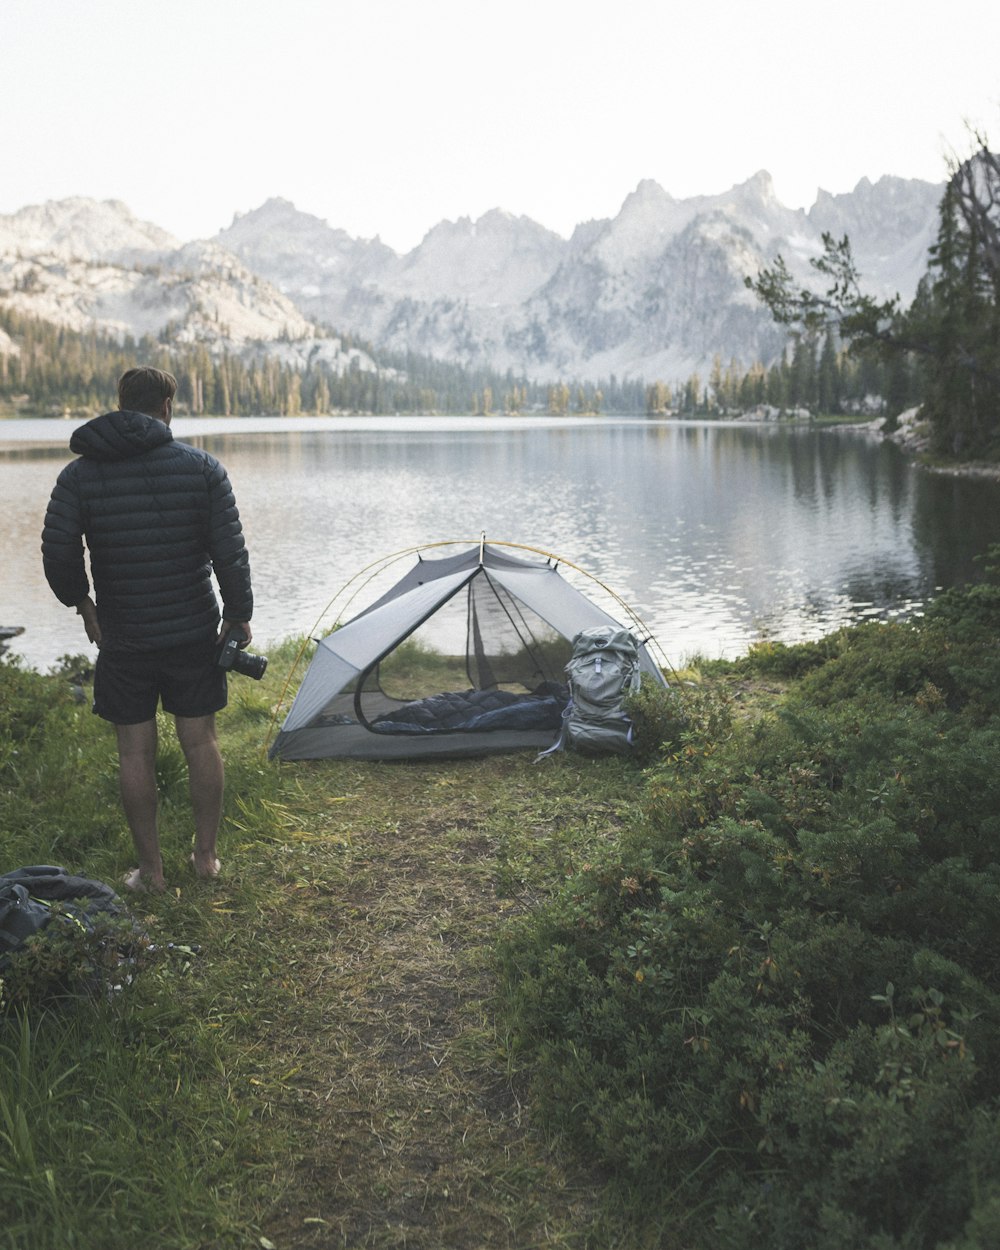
717 534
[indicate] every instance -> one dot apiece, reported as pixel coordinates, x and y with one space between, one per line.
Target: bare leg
137 779
196 735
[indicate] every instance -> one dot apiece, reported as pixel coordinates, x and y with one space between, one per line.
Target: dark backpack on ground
602 671
27 896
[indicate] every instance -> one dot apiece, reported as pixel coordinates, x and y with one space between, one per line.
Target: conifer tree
945 349
828 377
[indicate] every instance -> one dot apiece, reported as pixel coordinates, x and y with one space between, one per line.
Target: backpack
602 670
27 896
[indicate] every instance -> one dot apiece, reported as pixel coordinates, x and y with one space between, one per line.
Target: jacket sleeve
62 542
227 548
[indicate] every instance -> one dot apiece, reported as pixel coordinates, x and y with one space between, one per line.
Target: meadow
312 1053
740 990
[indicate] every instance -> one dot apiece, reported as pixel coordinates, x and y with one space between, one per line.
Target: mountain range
655 292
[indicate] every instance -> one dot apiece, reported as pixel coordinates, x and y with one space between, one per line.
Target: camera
231 657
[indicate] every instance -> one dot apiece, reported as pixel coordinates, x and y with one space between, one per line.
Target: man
158 518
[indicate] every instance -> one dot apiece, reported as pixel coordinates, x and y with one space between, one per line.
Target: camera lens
250 665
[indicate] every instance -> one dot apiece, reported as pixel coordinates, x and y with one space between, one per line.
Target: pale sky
385 117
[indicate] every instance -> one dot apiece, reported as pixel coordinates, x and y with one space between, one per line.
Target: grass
315 1058
747 976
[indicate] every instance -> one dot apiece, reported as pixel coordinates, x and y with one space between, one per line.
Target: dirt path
411 1131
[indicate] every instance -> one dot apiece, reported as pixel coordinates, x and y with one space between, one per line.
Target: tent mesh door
507 644
482 639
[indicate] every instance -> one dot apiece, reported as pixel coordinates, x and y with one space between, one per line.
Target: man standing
158 517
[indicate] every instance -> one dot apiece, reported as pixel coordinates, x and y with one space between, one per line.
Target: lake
717 534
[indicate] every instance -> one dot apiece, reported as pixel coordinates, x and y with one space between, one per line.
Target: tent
463 656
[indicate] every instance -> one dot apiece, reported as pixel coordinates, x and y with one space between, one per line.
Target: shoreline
911 437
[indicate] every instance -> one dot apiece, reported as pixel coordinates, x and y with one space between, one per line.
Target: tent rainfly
463 656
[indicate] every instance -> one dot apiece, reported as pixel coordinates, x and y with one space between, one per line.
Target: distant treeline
814 374
56 370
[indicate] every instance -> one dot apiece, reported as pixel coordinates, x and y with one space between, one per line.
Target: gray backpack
603 669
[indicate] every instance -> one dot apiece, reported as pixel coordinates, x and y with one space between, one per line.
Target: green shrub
661 716
26 702
68 958
791 659
773 1010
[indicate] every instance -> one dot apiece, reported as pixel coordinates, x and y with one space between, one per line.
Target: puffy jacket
158 517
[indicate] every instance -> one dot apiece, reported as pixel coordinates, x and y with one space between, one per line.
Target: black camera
230 655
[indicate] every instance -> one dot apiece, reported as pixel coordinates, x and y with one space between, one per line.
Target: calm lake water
716 534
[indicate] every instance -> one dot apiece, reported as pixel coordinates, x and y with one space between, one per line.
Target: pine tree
716 385
828 377
944 351
958 312
657 398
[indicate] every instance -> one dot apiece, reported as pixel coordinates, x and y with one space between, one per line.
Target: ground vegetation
741 990
770 1009
308 1053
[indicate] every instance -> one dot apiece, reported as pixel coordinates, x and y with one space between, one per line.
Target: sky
385 117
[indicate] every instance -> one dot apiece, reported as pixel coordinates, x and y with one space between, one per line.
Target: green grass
313 1055
740 991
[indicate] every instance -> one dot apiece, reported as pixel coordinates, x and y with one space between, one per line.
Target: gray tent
463 656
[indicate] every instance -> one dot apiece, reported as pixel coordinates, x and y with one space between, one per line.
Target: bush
68 958
773 1011
791 660
27 700
660 718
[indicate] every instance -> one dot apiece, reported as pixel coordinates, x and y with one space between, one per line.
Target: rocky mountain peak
759 187
499 259
82 228
655 291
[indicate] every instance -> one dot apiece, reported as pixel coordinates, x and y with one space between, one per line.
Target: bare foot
137 883
206 867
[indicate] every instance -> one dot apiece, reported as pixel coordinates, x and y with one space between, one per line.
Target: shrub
660 715
773 1011
27 699
791 659
68 958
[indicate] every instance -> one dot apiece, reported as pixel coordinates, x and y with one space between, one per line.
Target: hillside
655 292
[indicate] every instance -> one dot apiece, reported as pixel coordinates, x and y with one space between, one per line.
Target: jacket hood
119 436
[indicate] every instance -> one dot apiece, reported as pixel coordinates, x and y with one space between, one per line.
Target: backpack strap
560 742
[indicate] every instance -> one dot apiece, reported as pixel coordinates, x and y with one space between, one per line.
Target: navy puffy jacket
158 517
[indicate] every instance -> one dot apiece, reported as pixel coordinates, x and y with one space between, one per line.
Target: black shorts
128 685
